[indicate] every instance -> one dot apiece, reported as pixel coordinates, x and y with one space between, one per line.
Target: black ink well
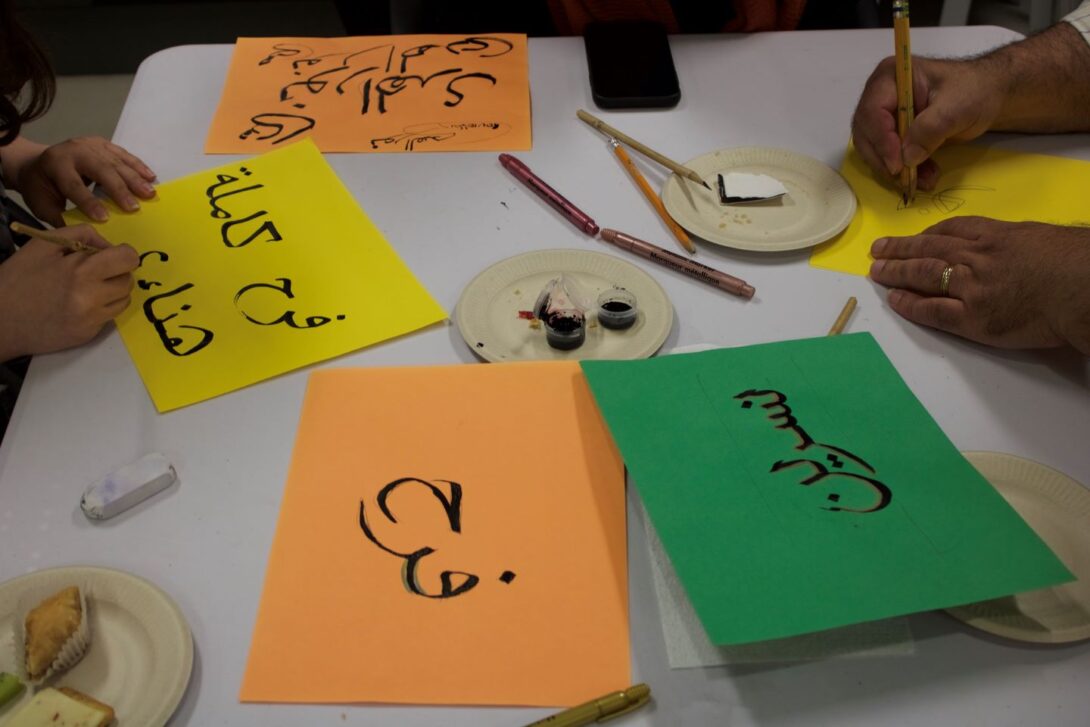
565 329
617 309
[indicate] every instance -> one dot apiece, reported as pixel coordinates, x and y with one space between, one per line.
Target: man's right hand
51 299
955 100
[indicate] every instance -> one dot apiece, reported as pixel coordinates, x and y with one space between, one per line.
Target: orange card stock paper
370 94
448 535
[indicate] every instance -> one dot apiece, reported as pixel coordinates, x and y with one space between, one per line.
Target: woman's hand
52 299
63 172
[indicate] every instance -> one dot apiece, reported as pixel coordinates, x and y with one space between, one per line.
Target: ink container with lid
617 309
565 329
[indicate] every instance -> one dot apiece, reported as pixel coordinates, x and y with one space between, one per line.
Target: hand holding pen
55 294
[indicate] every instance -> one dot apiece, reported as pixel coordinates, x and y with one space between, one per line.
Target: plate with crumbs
819 203
141 650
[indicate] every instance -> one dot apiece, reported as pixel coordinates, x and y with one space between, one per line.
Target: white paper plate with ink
818 204
1058 509
488 310
141 651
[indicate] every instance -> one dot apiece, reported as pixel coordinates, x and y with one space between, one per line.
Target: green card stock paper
800 486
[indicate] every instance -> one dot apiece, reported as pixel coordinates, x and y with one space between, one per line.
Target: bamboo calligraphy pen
906 108
678 169
68 244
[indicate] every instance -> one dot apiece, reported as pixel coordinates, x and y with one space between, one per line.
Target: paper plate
1058 509
141 651
488 311
819 203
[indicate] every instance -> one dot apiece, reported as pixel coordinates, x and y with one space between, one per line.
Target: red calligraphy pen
555 200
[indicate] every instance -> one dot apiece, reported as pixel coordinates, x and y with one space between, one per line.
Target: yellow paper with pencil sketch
253 269
975 180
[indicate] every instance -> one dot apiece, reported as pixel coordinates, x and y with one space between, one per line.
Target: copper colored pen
681 264
555 200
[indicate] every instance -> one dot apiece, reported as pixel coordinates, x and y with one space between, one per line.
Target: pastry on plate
55 634
62 707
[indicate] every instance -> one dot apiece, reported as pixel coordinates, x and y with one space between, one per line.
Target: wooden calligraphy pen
842 319
678 169
68 244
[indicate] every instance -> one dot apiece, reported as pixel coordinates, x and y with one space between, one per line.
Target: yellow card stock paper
975 180
253 269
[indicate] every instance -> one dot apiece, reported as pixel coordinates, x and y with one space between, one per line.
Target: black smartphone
630 65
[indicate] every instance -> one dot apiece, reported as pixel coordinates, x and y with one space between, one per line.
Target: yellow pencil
653 198
842 319
66 243
906 108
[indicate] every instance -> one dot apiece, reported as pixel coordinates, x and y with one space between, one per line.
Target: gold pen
604 708
906 107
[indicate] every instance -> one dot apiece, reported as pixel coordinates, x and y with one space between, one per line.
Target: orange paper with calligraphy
376 93
448 535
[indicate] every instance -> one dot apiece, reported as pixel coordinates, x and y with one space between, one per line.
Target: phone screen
630 65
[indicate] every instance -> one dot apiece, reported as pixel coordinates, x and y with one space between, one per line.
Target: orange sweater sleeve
572 16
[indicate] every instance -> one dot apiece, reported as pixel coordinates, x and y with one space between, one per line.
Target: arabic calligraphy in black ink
143 283
370 73
278 127
288 317
775 405
214 196
452 508
173 343
266 227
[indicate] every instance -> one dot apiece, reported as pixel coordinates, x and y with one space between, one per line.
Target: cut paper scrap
688 646
800 486
448 535
372 94
975 180
253 269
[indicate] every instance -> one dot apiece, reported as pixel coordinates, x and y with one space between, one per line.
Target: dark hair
26 78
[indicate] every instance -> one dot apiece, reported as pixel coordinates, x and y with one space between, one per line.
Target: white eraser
132 484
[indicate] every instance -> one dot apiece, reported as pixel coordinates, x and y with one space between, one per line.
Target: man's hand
1040 84
63 171
1012 284
955 100
51 299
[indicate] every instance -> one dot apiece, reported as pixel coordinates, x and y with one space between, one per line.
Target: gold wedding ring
944 281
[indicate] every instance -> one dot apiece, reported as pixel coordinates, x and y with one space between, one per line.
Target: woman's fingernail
876 267
879 246
147 189
99 214
895 296
130 204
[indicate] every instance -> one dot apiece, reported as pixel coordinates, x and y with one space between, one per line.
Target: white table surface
85 412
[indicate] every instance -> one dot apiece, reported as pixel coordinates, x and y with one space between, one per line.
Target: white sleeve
1080 18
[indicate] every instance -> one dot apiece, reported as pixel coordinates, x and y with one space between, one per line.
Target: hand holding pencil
53 297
